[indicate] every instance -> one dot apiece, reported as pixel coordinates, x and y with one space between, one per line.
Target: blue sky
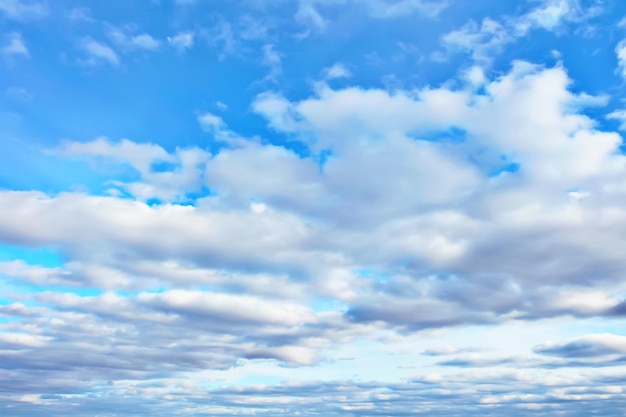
312 207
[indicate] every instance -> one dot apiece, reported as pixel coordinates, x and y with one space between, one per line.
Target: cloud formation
293 209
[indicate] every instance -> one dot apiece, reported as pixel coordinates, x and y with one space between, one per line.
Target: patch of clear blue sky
46 257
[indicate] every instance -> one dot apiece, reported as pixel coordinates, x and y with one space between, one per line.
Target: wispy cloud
308 12
620 51
487 39
23 10
272 59
126 40
81 14
98 52
182 41
14 45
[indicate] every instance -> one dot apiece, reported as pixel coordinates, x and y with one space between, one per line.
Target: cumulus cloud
469 222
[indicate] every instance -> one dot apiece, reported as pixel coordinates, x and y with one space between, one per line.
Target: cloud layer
311 242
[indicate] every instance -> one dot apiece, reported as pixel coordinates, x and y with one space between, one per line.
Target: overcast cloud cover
312 207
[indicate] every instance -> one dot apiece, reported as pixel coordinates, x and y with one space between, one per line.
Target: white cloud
172 184
338 70
620 51
144 41
277 110
14 45
98 52
272 59
211 122
141 156
550 15
257 207
23 10
308 15
481 41
486 40
133 42
182 41
476 76
619 115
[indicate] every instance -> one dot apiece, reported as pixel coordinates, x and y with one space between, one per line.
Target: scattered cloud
620 51
14 45
127 41
23 10
485 40
308 15
211 122
311 13
482 41
272 59
182 41
338 70
619 115
97 52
